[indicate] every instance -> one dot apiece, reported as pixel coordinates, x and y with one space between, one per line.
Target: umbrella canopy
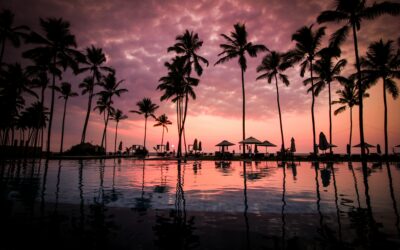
378 149
292 145
323 143
266 144
195 145
367 145
225 143
167 146
398 146
250 140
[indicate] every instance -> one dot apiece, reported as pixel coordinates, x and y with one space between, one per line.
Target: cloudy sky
135 36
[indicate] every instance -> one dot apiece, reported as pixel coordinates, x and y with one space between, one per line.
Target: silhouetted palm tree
111 88
104 105
348 97
66 92
274 64
57 48
353 12
306 49
187 46
10 33
327 72
382 62
163 121
117 116
95 58
238 46
33 118
147 108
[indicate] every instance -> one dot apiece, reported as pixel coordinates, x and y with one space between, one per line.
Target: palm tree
10 33
57 49
66 92
307 47
353 12
163 121
327 71
111 88
95 58
238 46
274 64
104 105
187 46
348 97
382 62
147 108
117 116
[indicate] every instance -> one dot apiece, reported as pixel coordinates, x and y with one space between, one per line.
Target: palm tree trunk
3 45
330 117
145 130
312 109
51 110
179 126
87 116
115 141
351 127
243 113
162 137
360 92
385 117
184 120
280 115
62 126
42 128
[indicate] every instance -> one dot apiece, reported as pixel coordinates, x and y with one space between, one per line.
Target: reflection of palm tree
353 12
348 97
163 121
327 72
8 32
66 92
147 108
142 203
307 47
381 62
95 59
275 64
392 195
355 182
238 46
283 207
336 200
82 200
117 116
57 48
246 206
321 217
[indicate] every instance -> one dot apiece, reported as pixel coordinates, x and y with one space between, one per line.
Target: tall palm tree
274 64
95 58
307 48
10 33
353 12
104 105
34 118
327 71
111 88
66 92
348 97
57 47
117 116
382 62
163 121
238 46
187 46
147 108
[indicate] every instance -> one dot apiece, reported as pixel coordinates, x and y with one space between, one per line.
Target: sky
135 36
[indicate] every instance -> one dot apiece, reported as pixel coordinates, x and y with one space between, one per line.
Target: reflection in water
283 207
393 197
330 165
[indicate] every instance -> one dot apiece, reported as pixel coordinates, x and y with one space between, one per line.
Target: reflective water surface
136 204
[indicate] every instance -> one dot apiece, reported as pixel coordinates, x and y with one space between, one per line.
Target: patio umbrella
167 146
367 145
323 143
292 145
224 144
200 148
266 144
398 146
250 140
378 149
195 146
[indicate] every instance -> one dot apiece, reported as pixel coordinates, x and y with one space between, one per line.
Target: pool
152 204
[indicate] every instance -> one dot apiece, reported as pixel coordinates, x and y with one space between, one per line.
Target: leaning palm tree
104 106
382 63
327 71
274 64
10 33
238 46
163 121
187 46
57 48
117 116
348 98
95 59
147 108
353 12
66 92
307 47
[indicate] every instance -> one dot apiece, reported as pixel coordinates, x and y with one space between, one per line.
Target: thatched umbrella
224 144
292 145
250 141
266 144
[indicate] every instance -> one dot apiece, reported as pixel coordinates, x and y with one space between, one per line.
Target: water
135 204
